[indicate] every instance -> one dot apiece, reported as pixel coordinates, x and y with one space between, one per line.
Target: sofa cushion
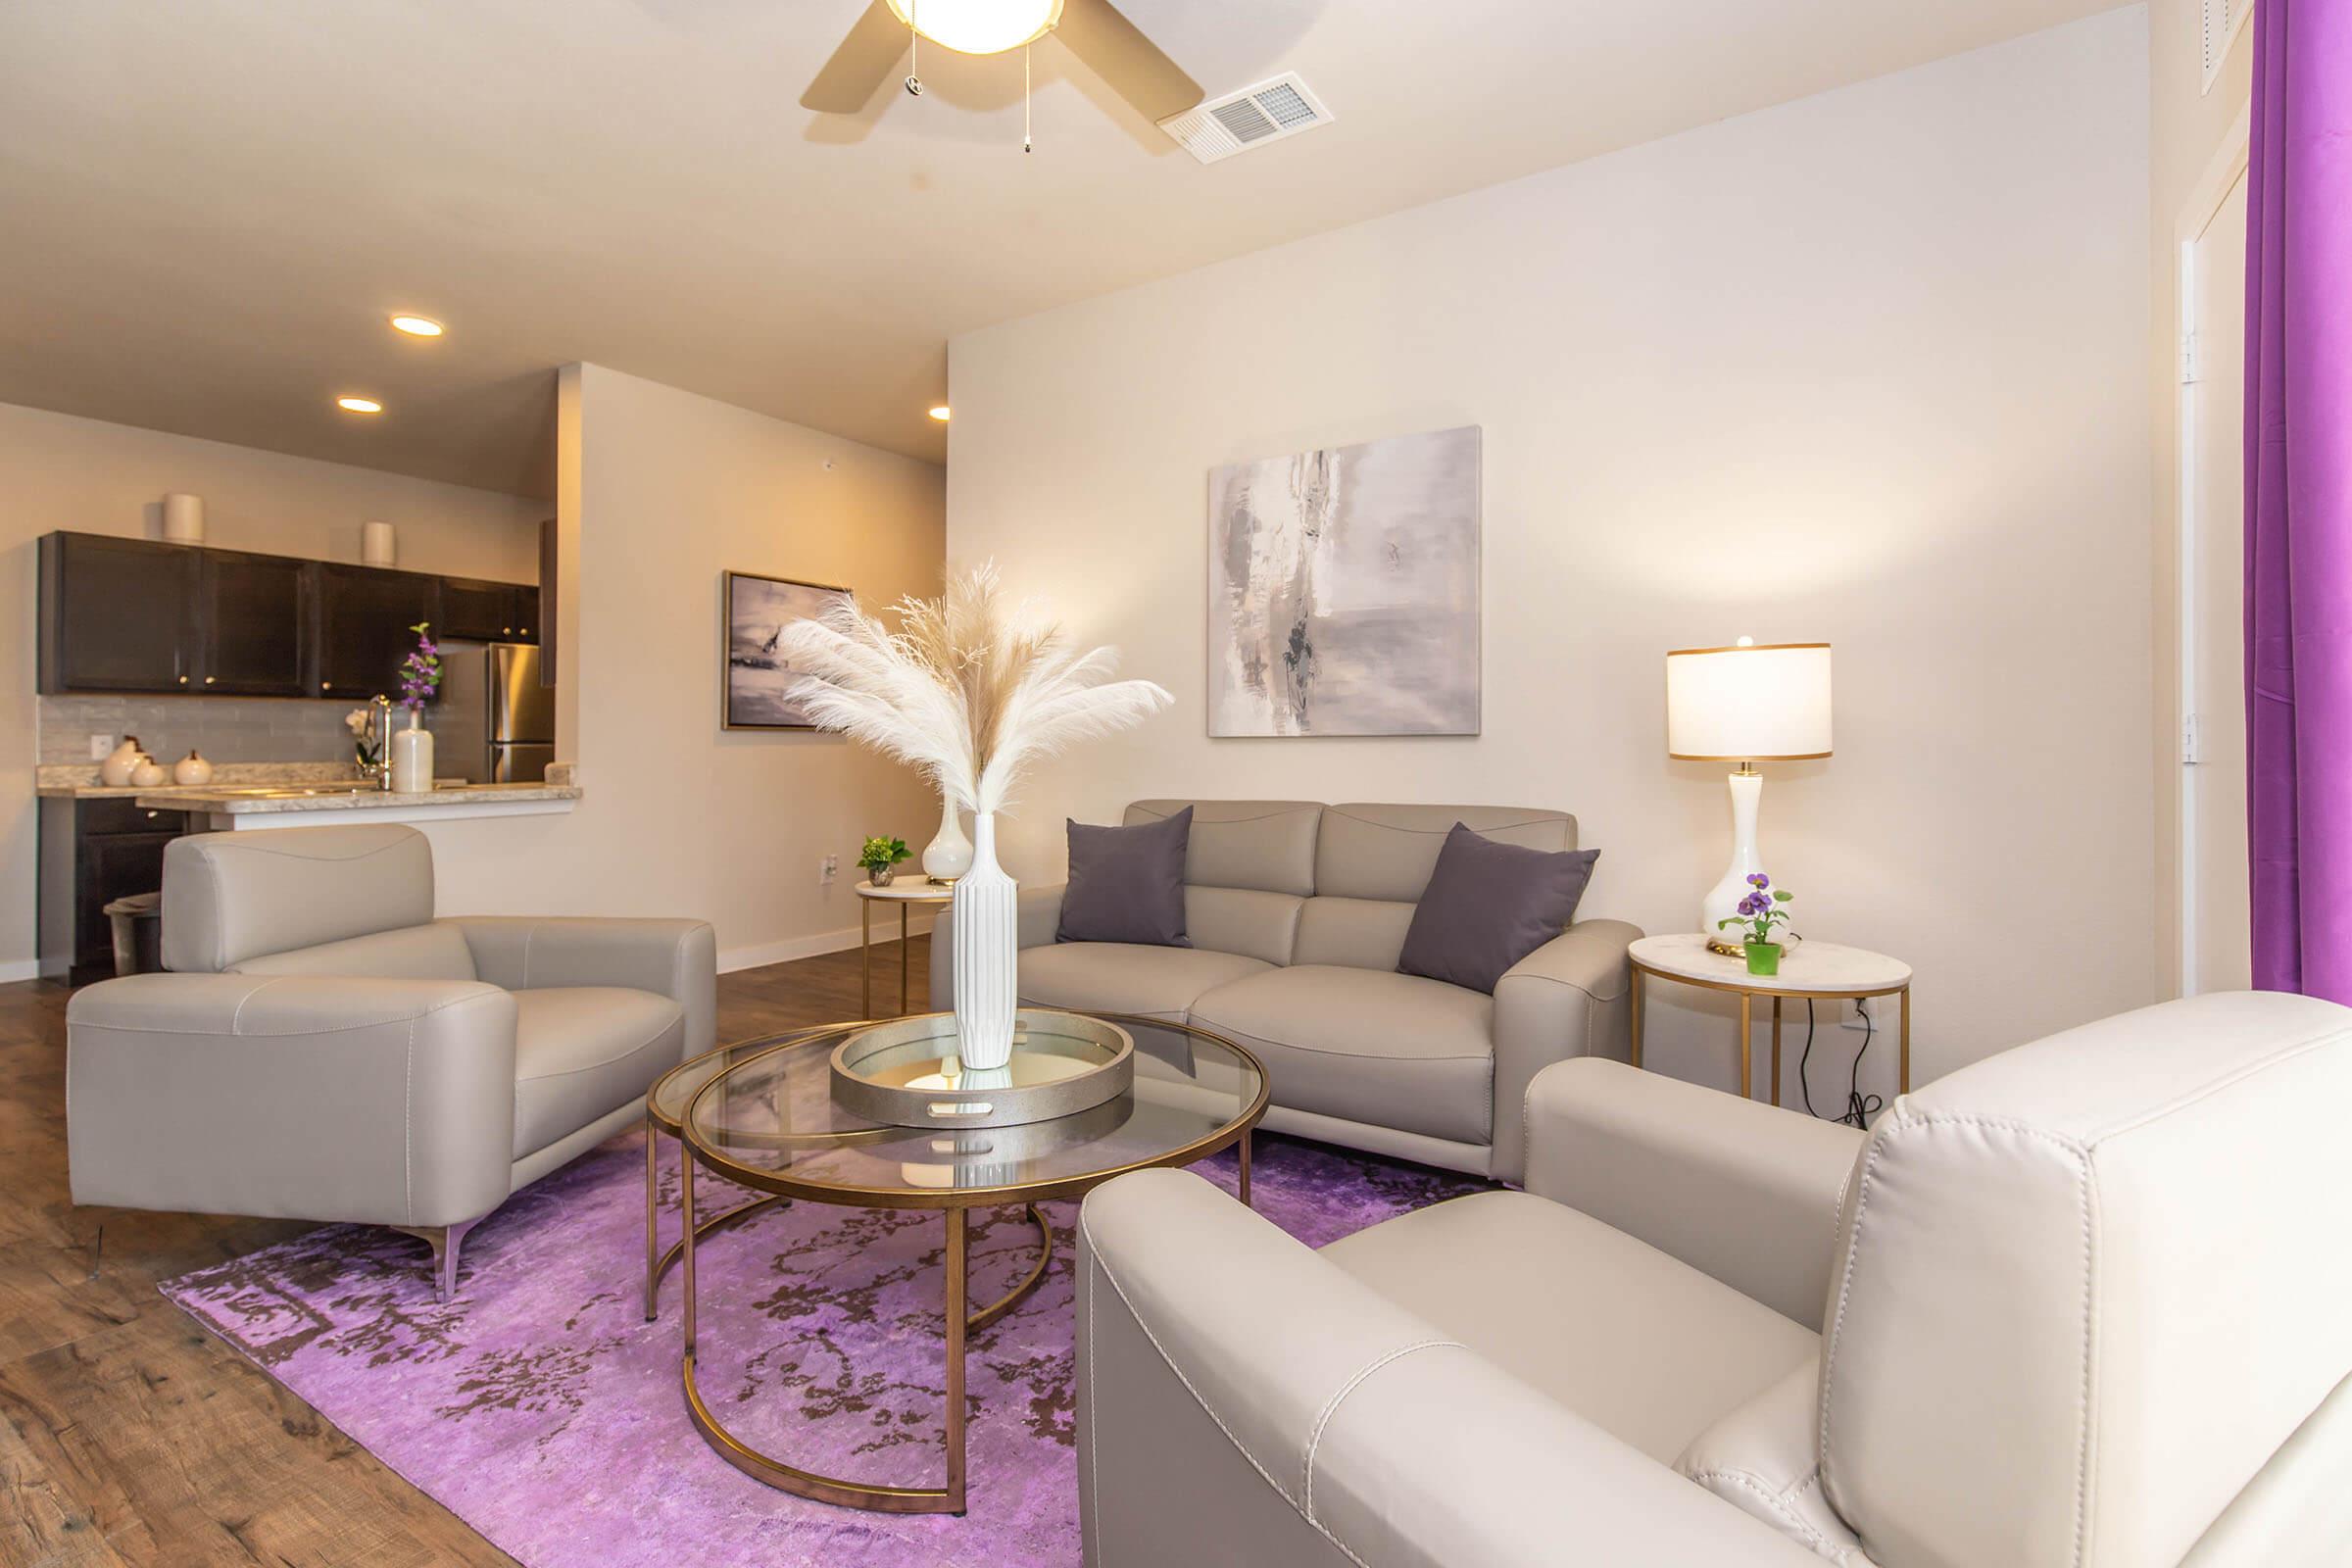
1637 1342
584 1051
1262 925
434 952
1265 845
1764 1458
1489 905
1386 852
1126 976
1126 883
1392 1050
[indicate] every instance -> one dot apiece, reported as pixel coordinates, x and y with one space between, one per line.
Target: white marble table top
1807 968
908 888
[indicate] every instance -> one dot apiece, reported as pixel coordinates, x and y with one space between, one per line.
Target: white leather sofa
329 1051
1297 912
2087 1303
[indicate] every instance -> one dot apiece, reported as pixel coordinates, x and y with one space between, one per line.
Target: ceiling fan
1093 30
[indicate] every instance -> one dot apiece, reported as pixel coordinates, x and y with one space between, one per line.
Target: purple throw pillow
1489 905
1127 883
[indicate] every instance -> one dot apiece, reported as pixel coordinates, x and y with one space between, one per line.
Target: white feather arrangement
969 689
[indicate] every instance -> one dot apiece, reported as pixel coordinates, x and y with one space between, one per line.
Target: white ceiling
208 207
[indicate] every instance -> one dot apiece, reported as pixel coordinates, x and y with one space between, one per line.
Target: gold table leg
1637 1017
1244 1146
905 963
1746 1028
1903 1081
1776 1051
865 952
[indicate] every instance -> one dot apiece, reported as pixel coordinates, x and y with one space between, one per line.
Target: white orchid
356 721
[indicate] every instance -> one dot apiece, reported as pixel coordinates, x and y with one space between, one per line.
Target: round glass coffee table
766 1120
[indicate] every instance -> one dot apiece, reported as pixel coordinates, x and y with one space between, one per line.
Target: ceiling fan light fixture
979 26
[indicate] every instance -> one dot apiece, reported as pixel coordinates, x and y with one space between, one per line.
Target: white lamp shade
1757 703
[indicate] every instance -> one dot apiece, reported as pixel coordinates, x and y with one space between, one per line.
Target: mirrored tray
906 1072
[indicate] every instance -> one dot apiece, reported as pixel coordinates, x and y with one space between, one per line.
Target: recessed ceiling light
939 412
416 326
358 405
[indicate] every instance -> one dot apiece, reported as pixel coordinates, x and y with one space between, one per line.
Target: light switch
101 748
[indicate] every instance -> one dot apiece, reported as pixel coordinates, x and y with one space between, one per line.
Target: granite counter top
230 801
74 781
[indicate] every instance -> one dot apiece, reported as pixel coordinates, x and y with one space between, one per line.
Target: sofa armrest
674 958
384 1102
1038 919
1569 998
1243 1399
1744 1192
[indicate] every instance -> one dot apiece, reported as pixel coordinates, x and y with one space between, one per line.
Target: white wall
60 471
1869 368
660 491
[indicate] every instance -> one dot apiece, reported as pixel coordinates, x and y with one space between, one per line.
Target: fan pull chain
915 46
1027 144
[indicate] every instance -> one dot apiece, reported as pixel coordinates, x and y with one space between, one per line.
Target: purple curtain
2299 497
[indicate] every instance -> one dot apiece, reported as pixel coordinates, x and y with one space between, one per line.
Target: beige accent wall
2189 129
1869 368
660 491
60 471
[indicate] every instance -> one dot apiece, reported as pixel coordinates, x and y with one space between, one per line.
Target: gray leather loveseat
1297 912
329 1051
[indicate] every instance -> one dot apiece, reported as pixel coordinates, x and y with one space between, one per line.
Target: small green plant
879 852
1760 911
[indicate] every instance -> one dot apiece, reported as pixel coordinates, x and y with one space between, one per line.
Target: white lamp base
1722 902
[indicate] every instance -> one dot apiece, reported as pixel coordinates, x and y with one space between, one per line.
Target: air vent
2218 23
1251 117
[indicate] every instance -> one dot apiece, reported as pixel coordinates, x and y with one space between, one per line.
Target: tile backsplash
227 729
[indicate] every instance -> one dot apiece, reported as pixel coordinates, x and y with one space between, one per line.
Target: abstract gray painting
1342 590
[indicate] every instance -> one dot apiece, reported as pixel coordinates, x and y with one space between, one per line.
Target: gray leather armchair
329 1051
2078 1306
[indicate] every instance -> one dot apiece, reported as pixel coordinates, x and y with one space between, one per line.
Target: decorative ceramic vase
412 757
115 772
881 877
149 773
948 854
987 975
1763 958
192 769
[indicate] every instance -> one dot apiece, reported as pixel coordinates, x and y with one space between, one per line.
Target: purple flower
1759 880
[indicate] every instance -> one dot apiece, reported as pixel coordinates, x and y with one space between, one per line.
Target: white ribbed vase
987 963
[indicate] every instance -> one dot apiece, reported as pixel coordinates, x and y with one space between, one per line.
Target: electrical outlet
827 869
1866 1016
101 748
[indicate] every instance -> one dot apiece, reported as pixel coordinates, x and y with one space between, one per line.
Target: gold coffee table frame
957 1205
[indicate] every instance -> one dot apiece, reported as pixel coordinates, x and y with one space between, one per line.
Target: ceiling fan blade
1118 52
865 60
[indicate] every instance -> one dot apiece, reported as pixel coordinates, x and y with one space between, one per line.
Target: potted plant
881 857
1758 914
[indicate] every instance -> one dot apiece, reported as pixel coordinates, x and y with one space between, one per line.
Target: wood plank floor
131 1437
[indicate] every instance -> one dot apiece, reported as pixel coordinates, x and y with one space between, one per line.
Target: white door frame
2222 174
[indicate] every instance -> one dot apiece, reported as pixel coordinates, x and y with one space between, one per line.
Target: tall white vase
412 757
948 854
987 963
1722 902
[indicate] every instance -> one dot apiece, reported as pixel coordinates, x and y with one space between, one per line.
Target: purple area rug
542 1408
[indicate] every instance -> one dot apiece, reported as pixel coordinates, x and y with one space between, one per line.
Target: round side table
906 894
1809 971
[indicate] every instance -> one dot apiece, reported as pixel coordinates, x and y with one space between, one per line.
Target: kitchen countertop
78 781
230 801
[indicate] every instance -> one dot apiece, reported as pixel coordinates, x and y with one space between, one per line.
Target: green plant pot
1763 958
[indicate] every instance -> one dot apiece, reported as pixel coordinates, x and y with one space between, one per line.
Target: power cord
1859 1106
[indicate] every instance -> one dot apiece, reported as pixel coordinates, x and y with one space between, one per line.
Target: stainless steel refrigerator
493 722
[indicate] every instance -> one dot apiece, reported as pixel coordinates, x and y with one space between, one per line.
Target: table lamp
1746 704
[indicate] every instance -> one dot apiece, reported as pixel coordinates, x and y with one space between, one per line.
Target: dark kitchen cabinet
116 614
483 612
364 618
93 852
254 614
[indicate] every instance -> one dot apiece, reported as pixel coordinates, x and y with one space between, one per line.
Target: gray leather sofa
2079 1305
329 1051
1297 912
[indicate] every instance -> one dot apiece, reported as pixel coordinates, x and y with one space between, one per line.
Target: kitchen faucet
380 731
